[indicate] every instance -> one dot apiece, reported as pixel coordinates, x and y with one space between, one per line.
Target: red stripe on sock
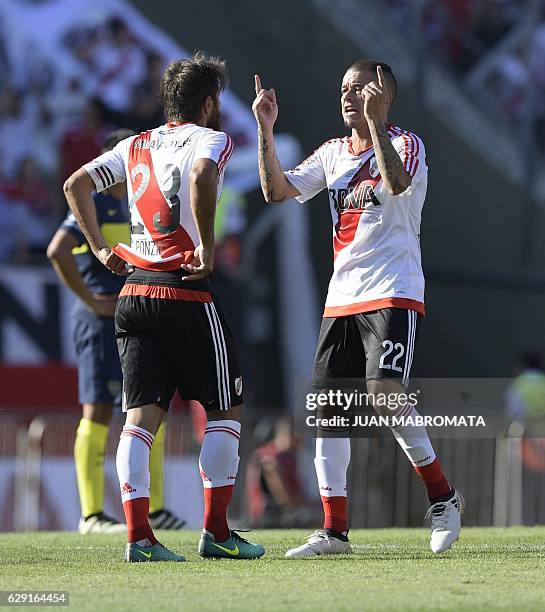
434 479
135 434
224 429
216 501
335 513
141 432
221 428
406 411
136 515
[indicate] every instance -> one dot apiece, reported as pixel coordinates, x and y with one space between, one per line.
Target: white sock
218 461
414 440
331 462
132 462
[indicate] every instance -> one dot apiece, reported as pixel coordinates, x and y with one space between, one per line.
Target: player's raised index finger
380 76
258 87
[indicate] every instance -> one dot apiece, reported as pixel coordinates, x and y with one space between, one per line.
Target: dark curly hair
186 84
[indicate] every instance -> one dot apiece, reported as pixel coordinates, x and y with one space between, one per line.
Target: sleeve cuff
102 176
300 198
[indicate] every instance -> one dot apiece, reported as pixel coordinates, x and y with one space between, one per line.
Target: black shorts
182 342
366 346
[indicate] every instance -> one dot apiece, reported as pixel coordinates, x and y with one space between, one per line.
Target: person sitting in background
83 141
274 490
14 243
120 62
146 109
33 191
17 120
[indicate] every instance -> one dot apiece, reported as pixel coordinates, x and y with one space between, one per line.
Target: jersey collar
389 127
173 124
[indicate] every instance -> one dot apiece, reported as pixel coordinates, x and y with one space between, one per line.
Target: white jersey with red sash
157 165
376 236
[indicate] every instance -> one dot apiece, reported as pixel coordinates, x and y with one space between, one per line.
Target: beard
214 121
352 121
348 122
355 122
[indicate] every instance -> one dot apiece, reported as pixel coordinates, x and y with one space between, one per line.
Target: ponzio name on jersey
147 247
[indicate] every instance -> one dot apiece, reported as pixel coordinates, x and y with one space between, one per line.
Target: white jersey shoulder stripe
225 155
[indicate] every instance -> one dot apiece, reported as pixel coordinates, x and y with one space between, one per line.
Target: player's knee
147 417
98 413
386 396
234 414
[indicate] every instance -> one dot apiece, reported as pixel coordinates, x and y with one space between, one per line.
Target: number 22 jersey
157 165
376 236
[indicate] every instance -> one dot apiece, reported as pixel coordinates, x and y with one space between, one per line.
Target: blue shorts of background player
99 370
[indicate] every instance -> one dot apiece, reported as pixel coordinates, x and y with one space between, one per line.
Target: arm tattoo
396 178
268 168
265 176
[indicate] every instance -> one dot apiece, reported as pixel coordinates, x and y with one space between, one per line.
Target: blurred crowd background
51 123
53 126
462 33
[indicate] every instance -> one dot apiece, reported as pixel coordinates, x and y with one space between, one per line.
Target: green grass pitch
392 569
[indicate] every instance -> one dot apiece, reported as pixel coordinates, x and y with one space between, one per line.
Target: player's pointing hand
376 97
264 107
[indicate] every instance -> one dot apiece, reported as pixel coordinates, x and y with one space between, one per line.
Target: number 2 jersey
157 165
376 236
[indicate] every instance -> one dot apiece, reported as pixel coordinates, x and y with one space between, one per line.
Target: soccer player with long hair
171 330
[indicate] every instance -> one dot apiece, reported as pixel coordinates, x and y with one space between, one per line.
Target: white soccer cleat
445 522
320 543
100 523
